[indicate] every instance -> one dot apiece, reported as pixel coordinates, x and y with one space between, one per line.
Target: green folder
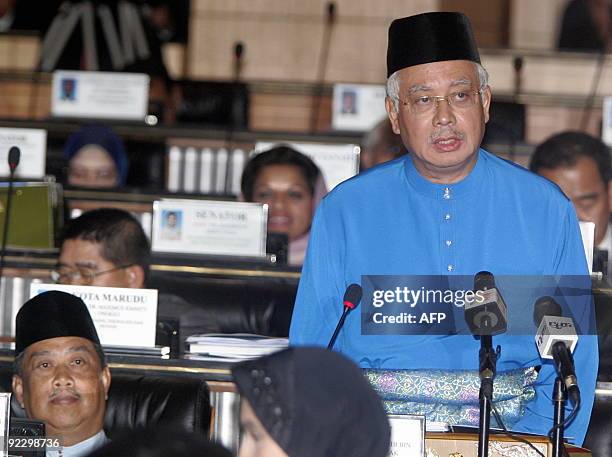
32 221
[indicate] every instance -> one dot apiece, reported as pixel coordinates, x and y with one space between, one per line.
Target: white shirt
83 448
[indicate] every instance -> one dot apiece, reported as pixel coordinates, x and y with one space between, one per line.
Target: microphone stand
487 370
7 216
559 399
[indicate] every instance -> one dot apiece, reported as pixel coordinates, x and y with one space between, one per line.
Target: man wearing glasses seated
104 247
107 247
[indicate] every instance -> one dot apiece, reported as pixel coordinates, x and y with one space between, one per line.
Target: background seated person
96 158
108 247
292 186
300 402
60 375
580 165
380 145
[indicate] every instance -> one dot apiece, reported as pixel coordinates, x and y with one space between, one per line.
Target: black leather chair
139 400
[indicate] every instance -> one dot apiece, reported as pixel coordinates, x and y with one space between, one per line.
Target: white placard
606 128
33 146
358 106
5 410
123 317
407 436
100 95
337 162
209 227
587 231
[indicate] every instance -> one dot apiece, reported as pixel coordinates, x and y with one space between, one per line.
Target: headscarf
104 138
315 403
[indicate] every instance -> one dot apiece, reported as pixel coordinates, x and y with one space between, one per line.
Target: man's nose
62 377
443 113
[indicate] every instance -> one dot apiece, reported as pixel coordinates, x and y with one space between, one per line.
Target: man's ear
106 380
18 389
135 276
486 102
393 115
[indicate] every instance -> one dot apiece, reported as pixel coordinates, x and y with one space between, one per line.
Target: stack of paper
233 347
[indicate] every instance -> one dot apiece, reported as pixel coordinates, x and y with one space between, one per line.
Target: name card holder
209 228
407 435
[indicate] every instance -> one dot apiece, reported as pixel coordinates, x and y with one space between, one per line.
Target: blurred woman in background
292 186
96 158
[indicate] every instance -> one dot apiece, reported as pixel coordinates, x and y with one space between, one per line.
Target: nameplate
337 162
205 227
33 146
123 317
407 436
358 106
100 95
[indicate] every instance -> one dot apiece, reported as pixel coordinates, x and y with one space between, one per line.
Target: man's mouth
64 397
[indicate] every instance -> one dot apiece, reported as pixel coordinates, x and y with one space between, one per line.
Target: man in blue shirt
447 208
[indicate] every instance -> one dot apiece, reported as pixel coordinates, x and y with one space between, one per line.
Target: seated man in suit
60 375
580 165
108 247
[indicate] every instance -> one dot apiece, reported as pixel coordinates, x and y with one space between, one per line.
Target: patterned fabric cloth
452 396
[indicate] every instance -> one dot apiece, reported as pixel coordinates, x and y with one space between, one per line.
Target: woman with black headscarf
309 402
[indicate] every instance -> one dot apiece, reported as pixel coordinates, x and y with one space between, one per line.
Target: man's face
84 256
583 185
444 143
63 384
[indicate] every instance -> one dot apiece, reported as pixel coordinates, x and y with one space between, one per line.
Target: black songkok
315 403
430 37
53 314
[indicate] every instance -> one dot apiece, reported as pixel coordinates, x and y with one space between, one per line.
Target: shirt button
447 194
449 242
450 267
447 217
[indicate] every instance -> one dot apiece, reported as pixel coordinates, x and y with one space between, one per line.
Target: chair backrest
141 400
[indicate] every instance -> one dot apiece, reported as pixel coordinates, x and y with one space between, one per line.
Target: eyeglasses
427 104
87 276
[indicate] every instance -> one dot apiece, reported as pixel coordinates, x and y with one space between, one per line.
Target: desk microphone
556 339
351 299
487 313
13 160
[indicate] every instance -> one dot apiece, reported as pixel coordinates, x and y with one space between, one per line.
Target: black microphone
556 339
13 158
13 161
487 313
351 299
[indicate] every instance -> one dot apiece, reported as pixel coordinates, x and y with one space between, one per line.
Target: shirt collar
466 186
83 448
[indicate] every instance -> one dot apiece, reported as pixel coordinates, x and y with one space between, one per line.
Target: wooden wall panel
283 38
535 24
25 99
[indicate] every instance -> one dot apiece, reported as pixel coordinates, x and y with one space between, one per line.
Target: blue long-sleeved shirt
392 221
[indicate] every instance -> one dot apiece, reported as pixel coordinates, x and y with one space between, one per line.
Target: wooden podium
439 444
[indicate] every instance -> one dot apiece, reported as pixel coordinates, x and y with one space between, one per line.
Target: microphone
556 339
486 314
13 158
351 299
13 161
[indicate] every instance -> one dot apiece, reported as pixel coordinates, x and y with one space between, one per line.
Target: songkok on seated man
61 376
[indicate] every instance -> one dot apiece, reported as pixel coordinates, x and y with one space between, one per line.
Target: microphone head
331 11
13 157
484 280
238 49
545 306
352 296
